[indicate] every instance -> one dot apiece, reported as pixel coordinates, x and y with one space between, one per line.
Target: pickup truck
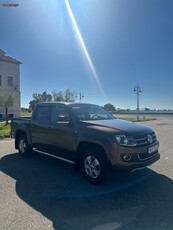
87 136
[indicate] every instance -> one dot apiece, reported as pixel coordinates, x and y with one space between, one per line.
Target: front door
62 134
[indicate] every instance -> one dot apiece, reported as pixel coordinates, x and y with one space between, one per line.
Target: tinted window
59 114
90 112
42 113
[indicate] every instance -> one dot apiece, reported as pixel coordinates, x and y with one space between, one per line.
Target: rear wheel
93 164
23 147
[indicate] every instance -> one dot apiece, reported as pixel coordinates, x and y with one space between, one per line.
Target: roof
8 59
63 103
1 51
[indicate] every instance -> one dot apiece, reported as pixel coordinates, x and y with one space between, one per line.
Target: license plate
153 149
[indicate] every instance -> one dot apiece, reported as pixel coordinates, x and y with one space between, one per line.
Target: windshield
90 112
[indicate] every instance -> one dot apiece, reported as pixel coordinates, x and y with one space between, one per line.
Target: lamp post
80 96
138 91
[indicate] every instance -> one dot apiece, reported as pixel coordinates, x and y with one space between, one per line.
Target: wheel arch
84 145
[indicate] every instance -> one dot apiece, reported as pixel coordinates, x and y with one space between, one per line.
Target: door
62 134
40 126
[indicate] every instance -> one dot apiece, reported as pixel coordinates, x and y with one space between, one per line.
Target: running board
48 154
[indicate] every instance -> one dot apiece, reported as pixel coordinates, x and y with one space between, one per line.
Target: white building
10 83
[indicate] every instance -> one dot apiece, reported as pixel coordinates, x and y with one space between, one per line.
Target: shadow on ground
139 200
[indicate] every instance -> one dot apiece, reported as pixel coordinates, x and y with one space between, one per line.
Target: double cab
85 135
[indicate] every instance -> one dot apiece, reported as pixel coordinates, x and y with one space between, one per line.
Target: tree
6 100
57 96
39 97
67 96
109 107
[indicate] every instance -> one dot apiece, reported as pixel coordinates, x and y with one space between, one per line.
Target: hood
119 126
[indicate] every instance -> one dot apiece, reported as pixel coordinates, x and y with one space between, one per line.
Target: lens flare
84 48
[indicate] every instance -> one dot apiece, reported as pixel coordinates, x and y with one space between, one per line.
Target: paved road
44 193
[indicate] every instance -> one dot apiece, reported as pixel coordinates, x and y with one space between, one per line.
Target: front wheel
23 147
93 163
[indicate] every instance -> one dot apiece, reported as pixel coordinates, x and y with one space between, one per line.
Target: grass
4 130
26 114
135 119
128 119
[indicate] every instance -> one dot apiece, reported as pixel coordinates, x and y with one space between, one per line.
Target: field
26 114
132 117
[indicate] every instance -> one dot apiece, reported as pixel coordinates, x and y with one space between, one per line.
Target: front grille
143 140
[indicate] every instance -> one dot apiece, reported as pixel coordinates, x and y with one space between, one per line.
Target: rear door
40 126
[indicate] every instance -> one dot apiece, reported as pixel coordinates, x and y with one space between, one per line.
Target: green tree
67 96
109 107
39 97
6 100
57 96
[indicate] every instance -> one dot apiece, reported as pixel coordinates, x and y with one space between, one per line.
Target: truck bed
20 123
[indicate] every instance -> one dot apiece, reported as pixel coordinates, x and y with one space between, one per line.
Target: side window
59 115
42 113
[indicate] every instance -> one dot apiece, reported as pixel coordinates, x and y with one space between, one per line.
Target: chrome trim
144 140
137 169
143 143
48 154
147 157
140 139
126 160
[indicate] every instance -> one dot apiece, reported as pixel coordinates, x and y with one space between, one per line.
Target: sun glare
83 46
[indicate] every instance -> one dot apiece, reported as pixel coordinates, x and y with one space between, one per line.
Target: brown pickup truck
87 136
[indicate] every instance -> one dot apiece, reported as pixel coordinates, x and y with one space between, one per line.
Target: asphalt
43 193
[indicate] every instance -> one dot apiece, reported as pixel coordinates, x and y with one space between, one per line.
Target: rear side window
43 113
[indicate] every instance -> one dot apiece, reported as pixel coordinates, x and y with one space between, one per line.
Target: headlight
125 140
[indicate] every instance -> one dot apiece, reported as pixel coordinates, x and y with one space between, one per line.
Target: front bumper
139 157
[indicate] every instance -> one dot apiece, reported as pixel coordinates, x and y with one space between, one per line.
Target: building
9 84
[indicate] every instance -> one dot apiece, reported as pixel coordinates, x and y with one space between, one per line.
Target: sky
101 48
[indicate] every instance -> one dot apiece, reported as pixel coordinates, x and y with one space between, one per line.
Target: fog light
127 157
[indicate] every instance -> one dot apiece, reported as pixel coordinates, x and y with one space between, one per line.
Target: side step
48 154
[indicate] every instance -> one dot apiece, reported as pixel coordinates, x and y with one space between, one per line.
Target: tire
23 147
93 165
